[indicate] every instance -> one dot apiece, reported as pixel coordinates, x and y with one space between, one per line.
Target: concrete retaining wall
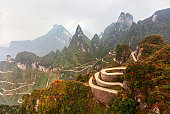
111 76
106 84
103 95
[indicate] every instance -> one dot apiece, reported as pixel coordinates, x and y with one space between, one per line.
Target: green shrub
122 105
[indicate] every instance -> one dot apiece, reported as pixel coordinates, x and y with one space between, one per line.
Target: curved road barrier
106 84
101 94
101 88
110 76
19 101
133 56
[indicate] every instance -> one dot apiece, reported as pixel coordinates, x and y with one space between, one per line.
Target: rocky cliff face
80 41
122 53
148 46
125 21
95 42
138 52
114 32
158 23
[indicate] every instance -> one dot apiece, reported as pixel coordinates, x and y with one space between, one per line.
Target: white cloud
28 19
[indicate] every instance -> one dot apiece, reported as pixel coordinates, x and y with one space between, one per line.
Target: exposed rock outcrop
138 52
10 59
80 41
122 53
95 42
148 46
42 68
114 32
125 20
21 66
158 23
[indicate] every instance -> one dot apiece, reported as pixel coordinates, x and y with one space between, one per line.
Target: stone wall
108 77
111 76
106 84
102 96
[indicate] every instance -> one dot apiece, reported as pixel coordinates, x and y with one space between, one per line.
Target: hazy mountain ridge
149 94
124 31
57 38
82 51
114 32
158 23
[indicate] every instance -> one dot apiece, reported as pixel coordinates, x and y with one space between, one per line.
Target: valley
126 70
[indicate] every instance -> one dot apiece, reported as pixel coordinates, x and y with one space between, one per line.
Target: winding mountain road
2 72
99 91
101 88
48 80
104 83
6 82
133 56
12 91
82 67
19 87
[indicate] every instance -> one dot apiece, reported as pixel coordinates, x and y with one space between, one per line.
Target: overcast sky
29 19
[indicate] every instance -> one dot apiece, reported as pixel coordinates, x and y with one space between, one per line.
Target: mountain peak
126 18
96 36
96 42
56 26
58 29
100 35
160 15
79 30
80 41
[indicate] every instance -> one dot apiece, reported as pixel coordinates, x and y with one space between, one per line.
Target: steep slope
80 41
77 53
101 34
161 57
114 32
26 58
149 46
146 48
48 59
61 97
158 23
88 34
149 78
96 45
147 84
14 82
56 38
122 53
95 42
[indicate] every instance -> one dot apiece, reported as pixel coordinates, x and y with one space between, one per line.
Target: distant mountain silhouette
57 38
